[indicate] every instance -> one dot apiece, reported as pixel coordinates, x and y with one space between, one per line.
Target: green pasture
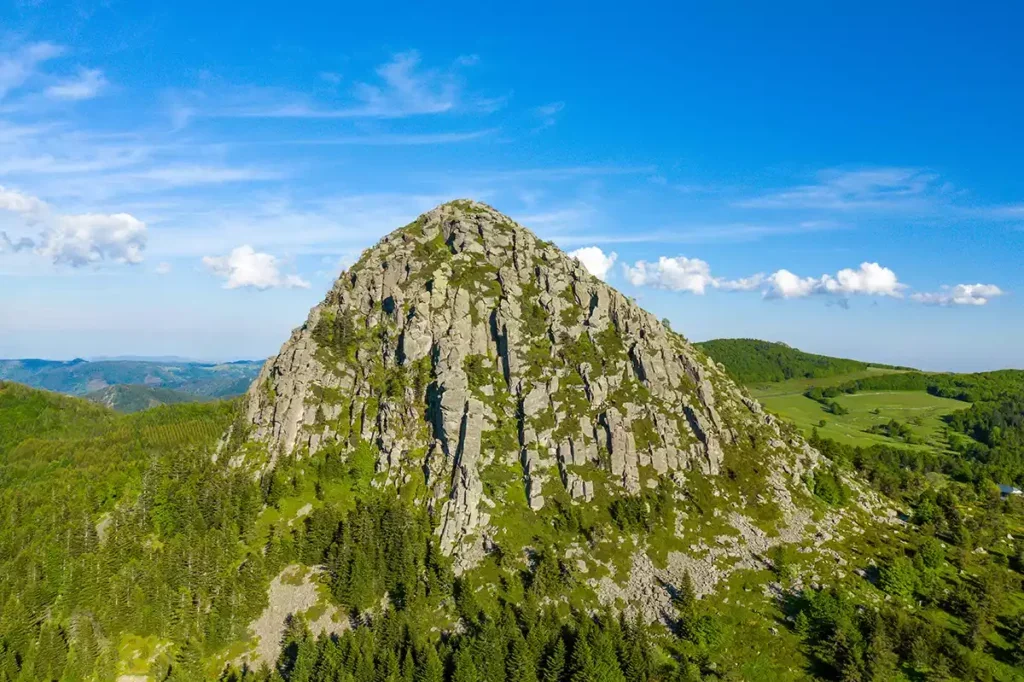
920 410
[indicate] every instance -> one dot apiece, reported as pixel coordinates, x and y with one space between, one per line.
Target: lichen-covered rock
463 351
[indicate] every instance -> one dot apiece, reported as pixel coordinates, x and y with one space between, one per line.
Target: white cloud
784 284
90 238
246 267
18 67
869 279
75 239
86 85
675 274
694 275
961 294
685 274
595 260
17 202
163 269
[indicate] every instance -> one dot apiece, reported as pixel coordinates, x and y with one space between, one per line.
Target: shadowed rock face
462 342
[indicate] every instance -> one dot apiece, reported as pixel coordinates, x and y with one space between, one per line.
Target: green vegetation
134 398
859 415
128 548
751 361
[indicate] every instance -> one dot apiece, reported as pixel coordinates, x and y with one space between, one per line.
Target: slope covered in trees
135 397
752 361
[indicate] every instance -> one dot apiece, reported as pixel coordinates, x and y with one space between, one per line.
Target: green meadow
920 410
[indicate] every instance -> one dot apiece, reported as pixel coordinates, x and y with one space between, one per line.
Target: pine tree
583 665
519 665
428 666
554 663
465 669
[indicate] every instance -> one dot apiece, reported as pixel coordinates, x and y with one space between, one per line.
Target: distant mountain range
154 379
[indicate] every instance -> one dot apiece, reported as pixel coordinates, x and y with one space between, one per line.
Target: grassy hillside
80 377
129 398
751 361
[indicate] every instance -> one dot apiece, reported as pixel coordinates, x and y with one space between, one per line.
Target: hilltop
751 361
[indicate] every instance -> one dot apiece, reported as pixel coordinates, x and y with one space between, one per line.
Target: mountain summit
489 375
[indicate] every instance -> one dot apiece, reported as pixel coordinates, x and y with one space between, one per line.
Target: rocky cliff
475 359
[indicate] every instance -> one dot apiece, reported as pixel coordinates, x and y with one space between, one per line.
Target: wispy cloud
843 190
86 85
961 294
19 66
193 175
403 88
397 139
700 234
547 114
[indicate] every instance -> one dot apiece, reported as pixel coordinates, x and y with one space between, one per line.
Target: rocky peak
485 368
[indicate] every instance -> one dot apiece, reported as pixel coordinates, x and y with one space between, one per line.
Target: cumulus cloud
869 279
246 267
163 269
961 294
74 239
17 202
89 238
685 274
86 85
674 274
595 260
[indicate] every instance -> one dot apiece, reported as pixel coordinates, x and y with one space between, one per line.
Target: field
921 411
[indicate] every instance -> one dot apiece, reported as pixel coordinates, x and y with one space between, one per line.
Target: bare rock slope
463 350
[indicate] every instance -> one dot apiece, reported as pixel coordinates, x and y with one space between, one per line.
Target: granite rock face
466 352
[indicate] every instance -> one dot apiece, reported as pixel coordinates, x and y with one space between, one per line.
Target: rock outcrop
472 356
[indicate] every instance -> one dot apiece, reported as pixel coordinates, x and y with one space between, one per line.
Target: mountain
133 397
79 377
751 361
475 461
491 375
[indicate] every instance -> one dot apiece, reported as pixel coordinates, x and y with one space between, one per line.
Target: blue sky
178 179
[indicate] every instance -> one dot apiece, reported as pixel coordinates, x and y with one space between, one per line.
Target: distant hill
752 361
135 397
81 377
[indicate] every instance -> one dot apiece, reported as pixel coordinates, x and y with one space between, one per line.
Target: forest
751 361
118 524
